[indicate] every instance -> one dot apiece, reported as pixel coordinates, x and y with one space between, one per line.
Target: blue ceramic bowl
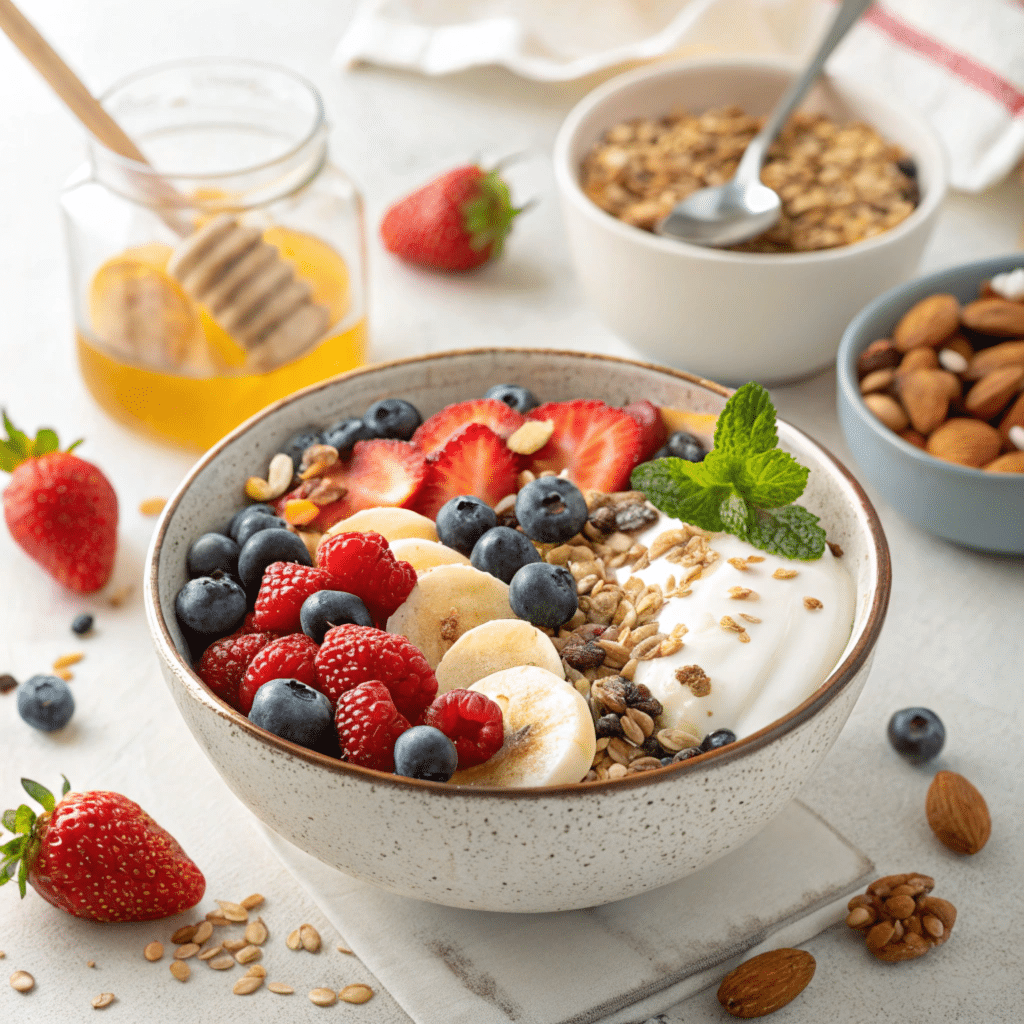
968 506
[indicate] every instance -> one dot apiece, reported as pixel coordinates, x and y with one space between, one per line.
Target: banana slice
447 602
425 554
549 734
390 523
496 645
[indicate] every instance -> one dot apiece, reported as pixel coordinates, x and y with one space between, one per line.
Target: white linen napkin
960 64
614 964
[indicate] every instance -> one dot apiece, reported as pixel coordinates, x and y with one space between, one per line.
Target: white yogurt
790 652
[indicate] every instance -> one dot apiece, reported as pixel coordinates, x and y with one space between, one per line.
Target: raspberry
291 657
351 655
285 586
364 565
368 725
224 663
472 721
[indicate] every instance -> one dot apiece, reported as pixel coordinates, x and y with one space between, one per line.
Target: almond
994 392
888 410
1014 418
925 395
930 322
919 359
964 441
877 380
960 345
911 436
999 317
1007 353
879 355
766 983
1011 462
957 813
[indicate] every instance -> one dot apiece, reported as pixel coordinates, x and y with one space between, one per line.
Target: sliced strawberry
599 445
654 435
432 435
380 473
475 461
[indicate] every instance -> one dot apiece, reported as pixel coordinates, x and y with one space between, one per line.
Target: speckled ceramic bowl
556 848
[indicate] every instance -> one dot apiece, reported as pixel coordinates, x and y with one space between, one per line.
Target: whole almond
879 355
960 345
877 380
1014 417
957 813
766 983
911 436
994 392
919 359
1006 353
888 410
1011 462
930 322
925 395
994 316
966 442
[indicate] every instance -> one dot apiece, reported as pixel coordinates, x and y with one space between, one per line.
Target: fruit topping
916 734
394 418
284 588
294 711
343 435
290 657
351 655
681 445
368 724
327 608
551 510
211 605
463 520
437 431
544 594
472 721
476 461
653 433
82 624
503 552
299 442
391 523
423 752
248 526
716 739
514 396
363 564
493 646
265 547
599 445
210 553
426 554
225 662
45 703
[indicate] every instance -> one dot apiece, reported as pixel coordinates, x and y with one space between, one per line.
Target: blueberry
462 521
551 509
681 445
328 608
543 594
344 434
45 702
424 752
916 734
503 552
82 624
213 605
293 711
393 417
265 547
210 552
298 443
685 755
250 525
515 397
244 513
716 739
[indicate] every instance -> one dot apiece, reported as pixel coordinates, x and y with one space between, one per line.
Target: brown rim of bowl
840 677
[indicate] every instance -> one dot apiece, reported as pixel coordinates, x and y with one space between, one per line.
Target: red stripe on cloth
970 71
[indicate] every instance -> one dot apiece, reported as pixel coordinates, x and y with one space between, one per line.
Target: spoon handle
846 17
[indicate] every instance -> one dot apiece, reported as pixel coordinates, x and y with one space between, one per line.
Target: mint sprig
745 486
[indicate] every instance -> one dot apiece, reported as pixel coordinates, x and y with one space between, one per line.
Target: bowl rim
850 347
567 176
840 677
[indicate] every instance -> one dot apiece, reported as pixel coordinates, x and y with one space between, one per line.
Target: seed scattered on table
203 932
280 988
323 996
256 932
247 985
222 963
181 970
154 951
7 683
253 901
152 506
119 596
66 660
187 950
343 949
210 952
356 994
103 999
234 912
256 971
88 963
234 945
310 938
184 934
294 941
247 954
812 604
22 981
64 673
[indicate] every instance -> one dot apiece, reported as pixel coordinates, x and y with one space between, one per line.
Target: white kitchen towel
958 62
614 964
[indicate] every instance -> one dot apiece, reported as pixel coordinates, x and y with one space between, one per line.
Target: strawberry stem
488 217
20 851
18 447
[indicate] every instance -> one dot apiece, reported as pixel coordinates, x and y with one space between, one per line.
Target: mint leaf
773 479
681 489
746 426
792 532
737 516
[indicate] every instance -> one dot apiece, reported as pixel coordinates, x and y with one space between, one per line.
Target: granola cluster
839 184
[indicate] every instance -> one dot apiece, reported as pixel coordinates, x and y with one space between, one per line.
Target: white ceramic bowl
556 848
734 316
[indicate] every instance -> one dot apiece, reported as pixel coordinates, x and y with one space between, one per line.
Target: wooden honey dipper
252 292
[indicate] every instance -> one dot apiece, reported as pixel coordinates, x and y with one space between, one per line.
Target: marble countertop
954 638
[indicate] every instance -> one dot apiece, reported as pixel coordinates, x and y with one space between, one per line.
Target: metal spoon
743 207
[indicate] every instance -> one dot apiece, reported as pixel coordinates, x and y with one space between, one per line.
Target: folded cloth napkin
960 64
613 964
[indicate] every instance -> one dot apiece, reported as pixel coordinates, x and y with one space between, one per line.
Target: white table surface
953 638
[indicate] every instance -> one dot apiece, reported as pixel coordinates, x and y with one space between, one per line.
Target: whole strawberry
455 222
98 855
60 509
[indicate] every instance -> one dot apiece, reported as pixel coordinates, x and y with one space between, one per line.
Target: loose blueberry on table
917 734
45 703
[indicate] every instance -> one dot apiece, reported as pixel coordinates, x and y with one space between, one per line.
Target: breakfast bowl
500 848
732 315
963 504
